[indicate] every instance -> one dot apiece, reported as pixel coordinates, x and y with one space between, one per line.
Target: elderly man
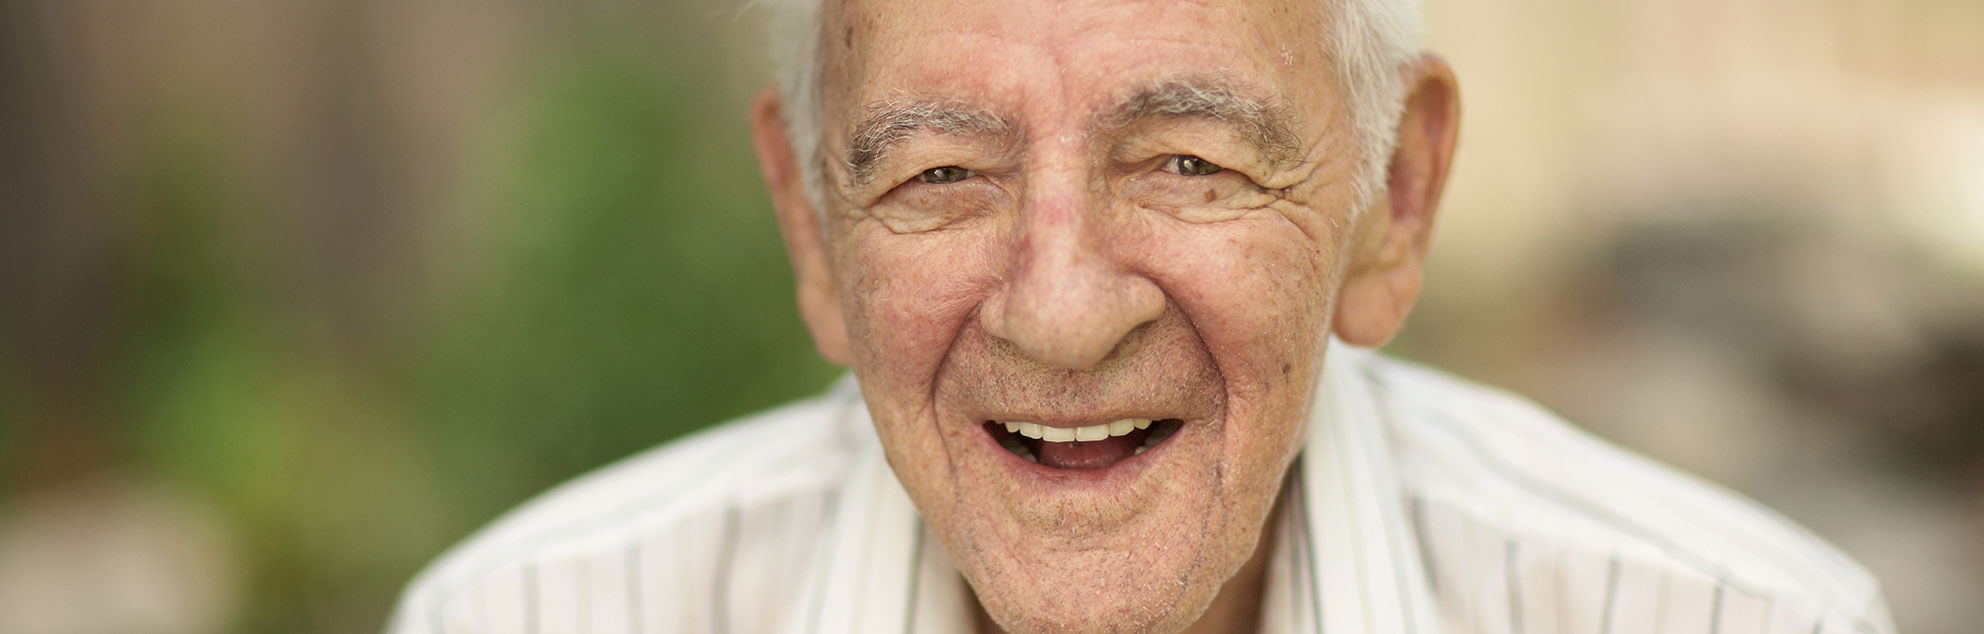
1102 270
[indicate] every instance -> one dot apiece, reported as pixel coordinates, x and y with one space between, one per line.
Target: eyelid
907 159
968 175
1207 139
914 185
1175 164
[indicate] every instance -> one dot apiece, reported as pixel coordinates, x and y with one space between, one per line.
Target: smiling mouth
1089 447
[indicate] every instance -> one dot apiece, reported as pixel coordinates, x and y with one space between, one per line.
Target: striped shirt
1421 504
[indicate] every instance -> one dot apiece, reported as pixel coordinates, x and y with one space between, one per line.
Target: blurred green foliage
614 281
637 288
642 291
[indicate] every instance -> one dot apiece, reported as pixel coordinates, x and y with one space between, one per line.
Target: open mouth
1088 447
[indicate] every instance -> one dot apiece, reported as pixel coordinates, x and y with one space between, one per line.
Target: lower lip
1119 474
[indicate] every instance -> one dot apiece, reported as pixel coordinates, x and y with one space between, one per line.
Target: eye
1187 165
944 175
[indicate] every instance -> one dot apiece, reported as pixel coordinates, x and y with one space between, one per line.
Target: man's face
1070 214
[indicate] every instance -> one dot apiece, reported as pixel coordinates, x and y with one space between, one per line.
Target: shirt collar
1342 560
1366 562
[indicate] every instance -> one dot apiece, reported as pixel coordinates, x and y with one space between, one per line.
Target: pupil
1194 166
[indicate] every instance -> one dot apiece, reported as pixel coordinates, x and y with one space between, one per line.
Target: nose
1070 295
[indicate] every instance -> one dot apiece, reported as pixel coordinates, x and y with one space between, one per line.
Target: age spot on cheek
1210 196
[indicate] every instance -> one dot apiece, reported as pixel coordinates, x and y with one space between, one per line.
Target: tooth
1138 450
1030 430
1012 426
1143 423
1091 433
1056 434
1121 427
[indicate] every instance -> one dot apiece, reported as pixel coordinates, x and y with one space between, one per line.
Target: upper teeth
1073 434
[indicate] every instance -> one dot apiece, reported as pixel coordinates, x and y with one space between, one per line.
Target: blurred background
295 295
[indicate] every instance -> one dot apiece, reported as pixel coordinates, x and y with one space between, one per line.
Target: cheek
906 297
1258 292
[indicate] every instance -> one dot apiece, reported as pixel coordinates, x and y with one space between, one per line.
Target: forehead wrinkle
889 123
1267 124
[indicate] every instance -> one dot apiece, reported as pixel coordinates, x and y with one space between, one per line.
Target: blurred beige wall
1746 238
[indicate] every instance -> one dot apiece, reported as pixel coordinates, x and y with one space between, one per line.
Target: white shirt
1421 504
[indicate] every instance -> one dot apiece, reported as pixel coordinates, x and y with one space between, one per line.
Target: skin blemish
1285 367
847 37
1211 195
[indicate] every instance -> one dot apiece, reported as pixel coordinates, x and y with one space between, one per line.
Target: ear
1390 245
819 303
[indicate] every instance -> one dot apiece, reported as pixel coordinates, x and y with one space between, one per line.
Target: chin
1149 607
1161 582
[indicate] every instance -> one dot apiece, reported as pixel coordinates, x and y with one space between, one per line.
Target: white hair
1372 42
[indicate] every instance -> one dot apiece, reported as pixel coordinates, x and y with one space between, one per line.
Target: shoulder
650 525
1500 465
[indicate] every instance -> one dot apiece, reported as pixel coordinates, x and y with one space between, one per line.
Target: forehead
1046 57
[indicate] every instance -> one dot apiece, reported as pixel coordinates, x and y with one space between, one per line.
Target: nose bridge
1069 297
1058 231
1061 266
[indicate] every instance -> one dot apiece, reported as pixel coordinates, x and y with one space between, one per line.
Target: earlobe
799 224
1390 246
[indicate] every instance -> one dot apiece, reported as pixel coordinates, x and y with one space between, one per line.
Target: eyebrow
892 122
1268 125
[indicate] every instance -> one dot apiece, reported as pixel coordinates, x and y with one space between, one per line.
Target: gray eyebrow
889 123
1267 124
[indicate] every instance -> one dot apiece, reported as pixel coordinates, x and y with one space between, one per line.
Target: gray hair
1372 42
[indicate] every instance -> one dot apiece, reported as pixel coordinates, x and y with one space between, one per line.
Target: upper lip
1084 419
